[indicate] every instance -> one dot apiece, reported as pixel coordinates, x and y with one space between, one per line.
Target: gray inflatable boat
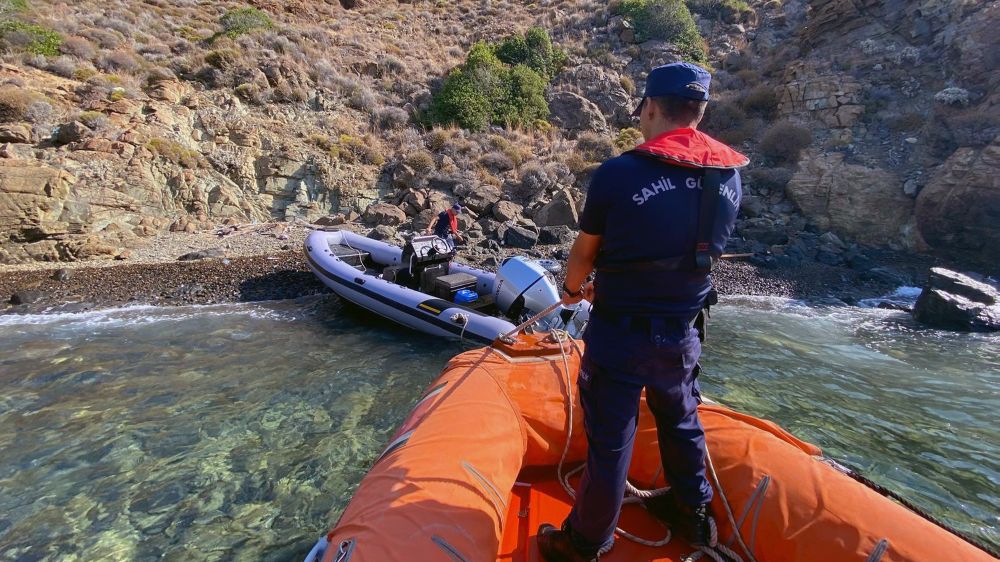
421 287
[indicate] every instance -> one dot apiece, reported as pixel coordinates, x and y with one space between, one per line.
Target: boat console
424 260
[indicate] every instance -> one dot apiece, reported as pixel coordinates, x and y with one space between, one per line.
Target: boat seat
351 256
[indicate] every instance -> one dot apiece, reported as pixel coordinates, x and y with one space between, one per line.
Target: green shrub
92 119
244 20
526 98
627 84
353 149
222 58
533 49
628 139
668 20
500 84
732 11
31 38
420 161
174 152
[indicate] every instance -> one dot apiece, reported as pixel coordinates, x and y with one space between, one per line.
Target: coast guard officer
655 219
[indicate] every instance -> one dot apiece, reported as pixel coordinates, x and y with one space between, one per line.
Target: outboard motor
525 287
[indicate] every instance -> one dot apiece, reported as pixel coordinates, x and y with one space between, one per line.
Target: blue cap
681 79
457 208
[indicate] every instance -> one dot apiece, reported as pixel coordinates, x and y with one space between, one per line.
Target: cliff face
169 165
152 119
903 96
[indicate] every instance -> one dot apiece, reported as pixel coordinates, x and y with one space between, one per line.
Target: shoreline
283 274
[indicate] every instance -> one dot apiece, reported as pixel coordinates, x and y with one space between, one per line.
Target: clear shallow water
239 432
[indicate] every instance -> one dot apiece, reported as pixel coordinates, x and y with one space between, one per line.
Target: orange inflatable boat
472 473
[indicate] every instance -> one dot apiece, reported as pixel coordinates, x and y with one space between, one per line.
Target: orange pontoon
471 474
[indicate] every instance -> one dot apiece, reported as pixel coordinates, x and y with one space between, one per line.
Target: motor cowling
523 285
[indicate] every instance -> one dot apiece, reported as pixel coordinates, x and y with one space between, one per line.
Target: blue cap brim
638 108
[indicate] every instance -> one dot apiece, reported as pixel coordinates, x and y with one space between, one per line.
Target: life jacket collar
692 149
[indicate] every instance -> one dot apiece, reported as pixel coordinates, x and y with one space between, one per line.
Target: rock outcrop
561 210
959 209
576 114
954 301
600 86
862 203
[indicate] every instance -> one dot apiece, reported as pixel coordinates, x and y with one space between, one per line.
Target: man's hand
586 292
579 265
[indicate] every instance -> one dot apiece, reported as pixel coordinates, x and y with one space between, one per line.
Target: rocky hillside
870 124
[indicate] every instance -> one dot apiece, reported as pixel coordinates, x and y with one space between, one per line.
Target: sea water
239 432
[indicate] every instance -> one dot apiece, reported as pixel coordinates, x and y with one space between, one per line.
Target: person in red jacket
655 219
446 225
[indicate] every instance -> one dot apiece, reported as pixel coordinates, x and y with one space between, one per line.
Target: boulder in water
955 301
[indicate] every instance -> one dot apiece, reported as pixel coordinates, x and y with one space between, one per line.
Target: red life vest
691 148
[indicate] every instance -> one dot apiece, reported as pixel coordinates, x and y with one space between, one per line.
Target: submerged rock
954 301
25 297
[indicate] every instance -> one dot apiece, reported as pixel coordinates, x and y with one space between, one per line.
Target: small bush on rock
595 148
353 149
78 47
30 38
244 20
118 61
15 102
420 162
783 142
496 162
732 11
392 118
174 152
762 100
769 179
93 119
669 20
62 66
628 139
363 99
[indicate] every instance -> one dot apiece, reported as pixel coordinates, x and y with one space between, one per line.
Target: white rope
461 317
729 512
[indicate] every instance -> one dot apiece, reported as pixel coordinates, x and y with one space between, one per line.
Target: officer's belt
676 263
634 321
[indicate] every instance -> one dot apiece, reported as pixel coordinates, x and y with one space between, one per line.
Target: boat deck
538 498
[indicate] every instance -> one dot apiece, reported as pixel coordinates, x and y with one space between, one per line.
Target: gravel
259 265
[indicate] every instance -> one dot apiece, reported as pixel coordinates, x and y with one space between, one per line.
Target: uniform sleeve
595 210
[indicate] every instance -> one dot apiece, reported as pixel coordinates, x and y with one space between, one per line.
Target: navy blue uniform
443 226
640 334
